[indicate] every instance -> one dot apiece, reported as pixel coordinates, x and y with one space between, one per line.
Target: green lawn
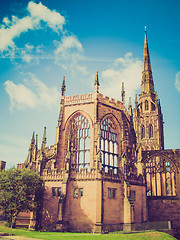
86 236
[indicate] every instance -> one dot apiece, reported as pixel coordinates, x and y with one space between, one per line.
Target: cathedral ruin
108 168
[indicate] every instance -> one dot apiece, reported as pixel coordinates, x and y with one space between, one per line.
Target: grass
85 236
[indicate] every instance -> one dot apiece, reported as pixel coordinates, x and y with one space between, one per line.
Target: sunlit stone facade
108 167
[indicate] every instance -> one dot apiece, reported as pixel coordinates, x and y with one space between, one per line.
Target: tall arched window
109 147
160 177
142 132
80 142
146 105
150 131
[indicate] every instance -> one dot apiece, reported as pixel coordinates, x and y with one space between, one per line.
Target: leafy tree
20 190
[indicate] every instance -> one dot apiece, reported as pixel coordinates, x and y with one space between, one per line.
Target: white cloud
127 70
29 53
17 27
20 96
26 57
82 69
46 96
38 12
177 81
29 46
6 21
68 44
68 53
41 12
33 94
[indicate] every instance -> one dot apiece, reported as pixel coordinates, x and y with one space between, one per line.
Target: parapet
114 103
76 99
54 175
91 97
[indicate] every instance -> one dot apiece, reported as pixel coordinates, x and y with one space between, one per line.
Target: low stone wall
112 227
151 226
136 227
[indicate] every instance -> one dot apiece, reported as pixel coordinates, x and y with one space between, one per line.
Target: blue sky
40 42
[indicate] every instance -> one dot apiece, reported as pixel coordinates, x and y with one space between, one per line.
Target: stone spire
44 139
130 107
147 85
136 102
33 139
63 88
123 94
149 113
96 83
36 141
31 148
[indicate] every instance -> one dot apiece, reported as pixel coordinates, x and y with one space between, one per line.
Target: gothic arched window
80 142
160 177
146 105
142 132
109 147
150 131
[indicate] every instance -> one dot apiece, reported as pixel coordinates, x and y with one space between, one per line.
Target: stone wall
163 208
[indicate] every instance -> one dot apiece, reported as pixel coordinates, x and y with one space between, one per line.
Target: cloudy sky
40 42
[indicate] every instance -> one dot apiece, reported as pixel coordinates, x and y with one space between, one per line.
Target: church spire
130 107
63 88
96 83
36 142
136 102
33 139
147 85
123 93
44 139
96 79
62 106
148 119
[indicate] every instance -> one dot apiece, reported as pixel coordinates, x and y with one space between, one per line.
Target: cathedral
108 169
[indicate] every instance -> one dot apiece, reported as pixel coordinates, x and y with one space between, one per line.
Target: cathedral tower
148 118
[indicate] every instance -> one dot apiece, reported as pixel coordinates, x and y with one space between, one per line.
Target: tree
20 190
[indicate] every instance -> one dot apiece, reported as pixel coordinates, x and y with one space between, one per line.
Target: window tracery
160 177
80 142
109 146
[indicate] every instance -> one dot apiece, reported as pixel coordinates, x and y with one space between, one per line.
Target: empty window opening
80 142
160 177
109 146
